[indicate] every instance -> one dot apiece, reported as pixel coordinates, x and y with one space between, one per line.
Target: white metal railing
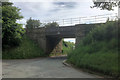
86 20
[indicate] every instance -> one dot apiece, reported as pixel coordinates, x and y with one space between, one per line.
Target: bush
53 24
98 51
67 47
11 31
27 49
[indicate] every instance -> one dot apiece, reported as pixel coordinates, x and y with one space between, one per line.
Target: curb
66 64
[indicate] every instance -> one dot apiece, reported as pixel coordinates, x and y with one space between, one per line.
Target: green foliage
106 5
67 47
27 49
7 3
53 24
11 31
105 32
31 23
98 51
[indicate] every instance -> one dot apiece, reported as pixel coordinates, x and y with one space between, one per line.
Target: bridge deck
61 31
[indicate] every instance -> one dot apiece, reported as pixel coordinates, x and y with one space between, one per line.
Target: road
41 68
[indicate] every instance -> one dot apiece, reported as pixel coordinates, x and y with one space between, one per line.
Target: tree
106 4
11 31
31 23
53 24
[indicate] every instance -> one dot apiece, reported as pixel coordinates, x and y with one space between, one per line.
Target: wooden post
79 20
71 20
95 19
63 21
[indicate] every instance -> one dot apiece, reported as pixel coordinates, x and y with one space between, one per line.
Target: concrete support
38 36
82 30
58 48
80 33
52 42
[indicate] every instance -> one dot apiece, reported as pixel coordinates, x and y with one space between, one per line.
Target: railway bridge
48 38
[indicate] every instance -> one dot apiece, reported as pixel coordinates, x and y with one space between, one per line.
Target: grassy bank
67 47
27 49
98 51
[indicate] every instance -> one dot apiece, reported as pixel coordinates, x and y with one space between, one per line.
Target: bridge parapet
64 32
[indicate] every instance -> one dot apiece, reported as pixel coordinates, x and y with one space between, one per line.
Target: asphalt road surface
41 68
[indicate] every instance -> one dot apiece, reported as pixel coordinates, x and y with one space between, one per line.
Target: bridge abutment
38 36
53 45
82 30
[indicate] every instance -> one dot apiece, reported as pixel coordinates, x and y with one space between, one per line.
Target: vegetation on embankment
67 47
11 30
98 51
27 49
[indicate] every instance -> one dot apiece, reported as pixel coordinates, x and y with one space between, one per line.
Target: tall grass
67 47
98 51
27 49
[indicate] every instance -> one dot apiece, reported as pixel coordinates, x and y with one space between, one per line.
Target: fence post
95 19
63 21
116 16
71 20
79 20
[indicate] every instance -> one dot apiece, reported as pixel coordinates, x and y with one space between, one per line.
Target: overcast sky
56 10
49 10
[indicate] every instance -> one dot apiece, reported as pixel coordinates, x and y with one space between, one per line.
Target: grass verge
27 49
98 51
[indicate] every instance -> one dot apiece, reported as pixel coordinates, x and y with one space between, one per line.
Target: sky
52 10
